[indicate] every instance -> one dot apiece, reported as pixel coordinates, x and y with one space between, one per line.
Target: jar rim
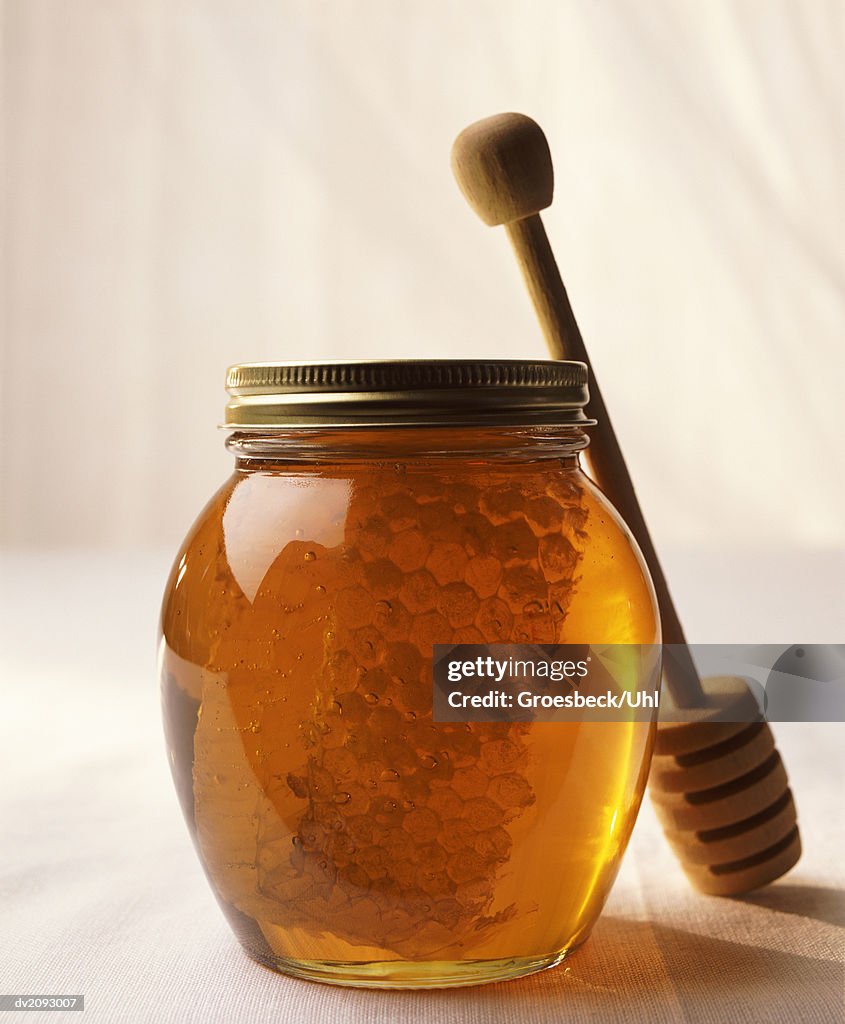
406 392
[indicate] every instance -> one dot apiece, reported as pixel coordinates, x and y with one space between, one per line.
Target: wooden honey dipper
717 781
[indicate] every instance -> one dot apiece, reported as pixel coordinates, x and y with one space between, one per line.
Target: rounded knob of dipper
504 168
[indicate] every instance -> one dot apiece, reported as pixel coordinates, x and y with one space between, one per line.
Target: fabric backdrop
191 183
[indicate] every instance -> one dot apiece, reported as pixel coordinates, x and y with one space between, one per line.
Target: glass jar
377 509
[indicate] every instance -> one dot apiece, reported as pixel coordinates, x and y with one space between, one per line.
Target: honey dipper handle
504 169
551 302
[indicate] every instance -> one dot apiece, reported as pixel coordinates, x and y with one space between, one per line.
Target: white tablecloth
102 894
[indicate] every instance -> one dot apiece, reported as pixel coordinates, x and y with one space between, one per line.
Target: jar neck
385 444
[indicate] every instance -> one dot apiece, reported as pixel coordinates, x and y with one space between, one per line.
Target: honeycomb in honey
328 806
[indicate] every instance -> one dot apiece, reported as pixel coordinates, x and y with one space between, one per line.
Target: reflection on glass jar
347 836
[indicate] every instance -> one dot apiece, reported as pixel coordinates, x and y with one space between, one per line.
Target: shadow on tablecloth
632 971
815 902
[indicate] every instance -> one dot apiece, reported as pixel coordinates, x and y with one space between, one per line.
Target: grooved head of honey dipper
721 792
504 168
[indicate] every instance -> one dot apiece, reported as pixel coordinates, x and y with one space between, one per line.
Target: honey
349 837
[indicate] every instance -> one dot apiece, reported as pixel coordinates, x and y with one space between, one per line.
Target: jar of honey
377 509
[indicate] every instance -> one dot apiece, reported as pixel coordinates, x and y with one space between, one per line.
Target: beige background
189 184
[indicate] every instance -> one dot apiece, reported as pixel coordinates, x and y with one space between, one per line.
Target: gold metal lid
406 392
